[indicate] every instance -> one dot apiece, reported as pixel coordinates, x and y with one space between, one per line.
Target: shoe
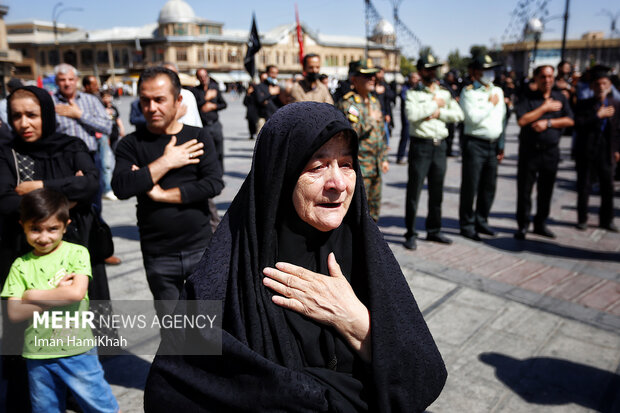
544 231
520 234
110 196
582 226
485 229
410 243
401 161
438 237
112 260
472 235
610 227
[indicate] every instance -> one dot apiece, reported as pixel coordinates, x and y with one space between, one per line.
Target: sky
443 25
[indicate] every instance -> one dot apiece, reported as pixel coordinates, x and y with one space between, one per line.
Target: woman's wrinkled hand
328 300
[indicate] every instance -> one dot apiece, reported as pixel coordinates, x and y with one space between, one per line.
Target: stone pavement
530 326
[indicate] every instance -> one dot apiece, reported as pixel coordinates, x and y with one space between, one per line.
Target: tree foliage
457 62
407 66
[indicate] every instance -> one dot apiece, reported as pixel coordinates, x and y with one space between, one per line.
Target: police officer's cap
427 61
362 67
483 62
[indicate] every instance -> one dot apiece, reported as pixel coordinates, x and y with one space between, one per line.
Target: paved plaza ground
523 326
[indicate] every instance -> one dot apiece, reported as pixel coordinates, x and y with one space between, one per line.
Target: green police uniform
372 147
427 153
483 141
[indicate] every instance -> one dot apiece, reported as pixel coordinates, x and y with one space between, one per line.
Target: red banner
300 36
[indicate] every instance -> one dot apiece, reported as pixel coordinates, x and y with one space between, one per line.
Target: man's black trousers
538 163
426 159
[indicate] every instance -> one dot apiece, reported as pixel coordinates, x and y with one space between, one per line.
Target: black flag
253 48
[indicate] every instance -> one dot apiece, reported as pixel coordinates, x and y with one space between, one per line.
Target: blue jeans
83 374
166 275
107 163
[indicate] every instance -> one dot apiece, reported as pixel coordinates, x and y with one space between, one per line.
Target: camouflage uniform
372 147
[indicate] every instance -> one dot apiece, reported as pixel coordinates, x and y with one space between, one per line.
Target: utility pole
563 53
366 13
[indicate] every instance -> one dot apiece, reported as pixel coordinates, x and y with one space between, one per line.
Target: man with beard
541 114
310 88
364 113
429 107
172 169
597 123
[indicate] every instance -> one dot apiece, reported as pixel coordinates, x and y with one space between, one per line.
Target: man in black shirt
210 101
542 114
172 169
267 96
597 144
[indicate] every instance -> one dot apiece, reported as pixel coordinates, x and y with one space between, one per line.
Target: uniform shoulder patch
353 118
354 111
348 95
357 99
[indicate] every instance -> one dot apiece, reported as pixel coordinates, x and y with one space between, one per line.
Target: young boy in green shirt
54 276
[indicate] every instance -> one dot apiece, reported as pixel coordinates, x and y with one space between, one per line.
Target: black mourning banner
253 48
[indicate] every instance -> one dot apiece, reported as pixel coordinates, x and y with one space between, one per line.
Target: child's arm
61 295
18 310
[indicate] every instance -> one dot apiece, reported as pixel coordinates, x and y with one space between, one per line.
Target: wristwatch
549 124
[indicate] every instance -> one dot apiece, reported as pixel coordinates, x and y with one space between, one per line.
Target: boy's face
44 236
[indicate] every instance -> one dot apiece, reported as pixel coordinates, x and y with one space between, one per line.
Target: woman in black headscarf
342 332
39 157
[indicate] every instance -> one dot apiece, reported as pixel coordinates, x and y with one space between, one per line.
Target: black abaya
267 363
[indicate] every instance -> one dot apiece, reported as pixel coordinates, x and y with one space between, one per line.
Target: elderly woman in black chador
36 157
317 315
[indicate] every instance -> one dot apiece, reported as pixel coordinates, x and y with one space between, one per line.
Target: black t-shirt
209 118
166 228
531 100
268 104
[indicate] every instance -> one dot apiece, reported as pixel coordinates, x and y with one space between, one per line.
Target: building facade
592 48
8 58
179 36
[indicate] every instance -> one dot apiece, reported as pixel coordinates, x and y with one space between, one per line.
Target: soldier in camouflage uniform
364 112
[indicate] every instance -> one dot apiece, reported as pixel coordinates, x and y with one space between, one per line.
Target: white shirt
192 117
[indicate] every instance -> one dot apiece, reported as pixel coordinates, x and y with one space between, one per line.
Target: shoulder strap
16 167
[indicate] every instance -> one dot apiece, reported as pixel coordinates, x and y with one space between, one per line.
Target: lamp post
56 12
534 28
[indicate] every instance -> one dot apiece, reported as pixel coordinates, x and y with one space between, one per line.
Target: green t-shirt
32 272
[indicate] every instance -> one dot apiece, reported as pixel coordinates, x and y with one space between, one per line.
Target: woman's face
26 118
324 190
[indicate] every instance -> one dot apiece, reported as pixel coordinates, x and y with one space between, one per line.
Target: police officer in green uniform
364 112
429 107
483 146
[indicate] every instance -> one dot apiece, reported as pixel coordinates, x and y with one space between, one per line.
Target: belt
433 141
487 141
542 146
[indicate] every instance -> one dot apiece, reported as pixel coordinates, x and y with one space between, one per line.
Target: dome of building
176 11
383 28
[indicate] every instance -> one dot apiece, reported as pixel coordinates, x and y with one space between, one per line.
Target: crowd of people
302 316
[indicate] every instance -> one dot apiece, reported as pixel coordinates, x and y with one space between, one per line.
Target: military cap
482 62
362 67
427 61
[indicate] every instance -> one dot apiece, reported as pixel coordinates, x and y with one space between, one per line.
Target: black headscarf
51 143
261 366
